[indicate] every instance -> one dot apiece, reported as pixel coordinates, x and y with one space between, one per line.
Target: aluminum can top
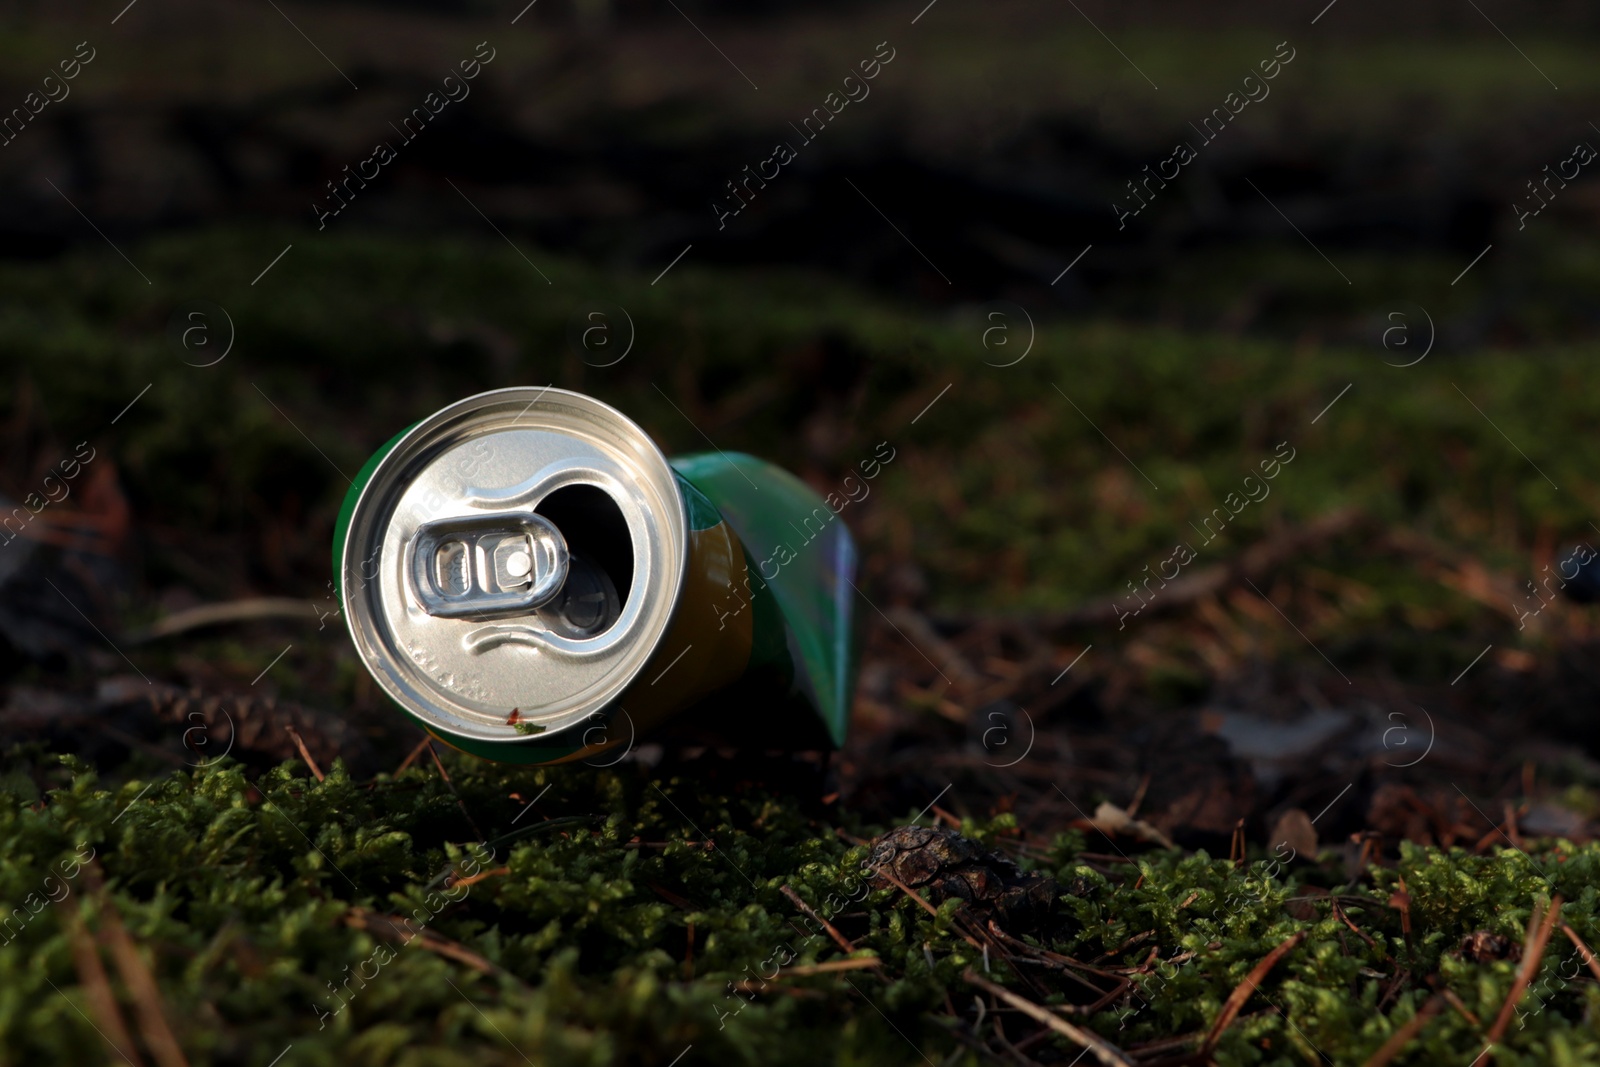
513 561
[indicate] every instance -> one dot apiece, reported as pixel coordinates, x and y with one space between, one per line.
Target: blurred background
1379 261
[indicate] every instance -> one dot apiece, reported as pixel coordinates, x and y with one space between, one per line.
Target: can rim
373 633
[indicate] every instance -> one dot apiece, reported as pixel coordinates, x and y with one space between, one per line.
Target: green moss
241 899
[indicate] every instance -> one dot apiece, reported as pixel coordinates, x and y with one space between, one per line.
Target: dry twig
1401 1037
158 1036
465 814
305 754
1588 956
807 969
1461 1008
248 610
412 758
97 986
1339 914
1538 936
399 928
1245 989
480 876
833 931
908 891
1103 1050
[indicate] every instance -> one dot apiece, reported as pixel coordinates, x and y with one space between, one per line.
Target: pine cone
941 864
1481 946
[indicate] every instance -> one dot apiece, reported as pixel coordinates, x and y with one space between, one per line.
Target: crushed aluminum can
532 581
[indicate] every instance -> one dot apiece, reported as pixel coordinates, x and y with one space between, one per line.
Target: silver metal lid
521 549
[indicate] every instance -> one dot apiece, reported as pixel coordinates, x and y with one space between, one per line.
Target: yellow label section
706 646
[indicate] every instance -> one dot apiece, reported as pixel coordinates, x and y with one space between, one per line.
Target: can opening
602 559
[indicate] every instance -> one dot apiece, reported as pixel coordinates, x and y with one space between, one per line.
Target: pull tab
507 563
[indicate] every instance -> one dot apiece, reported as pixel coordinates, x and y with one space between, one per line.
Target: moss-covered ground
619 930
618 915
